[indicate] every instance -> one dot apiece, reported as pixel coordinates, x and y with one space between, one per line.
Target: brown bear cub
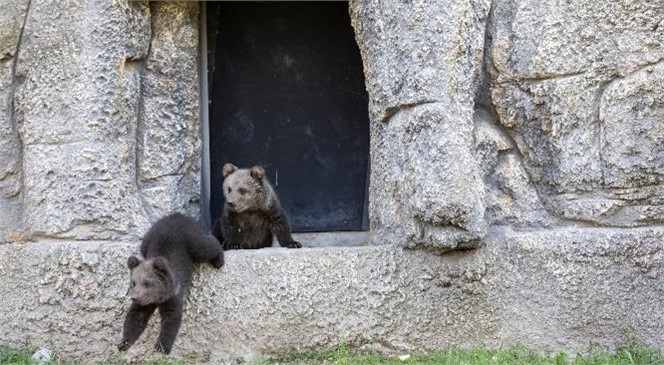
252 213
162 280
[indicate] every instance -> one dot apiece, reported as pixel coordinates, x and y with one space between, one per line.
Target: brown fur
151 280
170 248
252 213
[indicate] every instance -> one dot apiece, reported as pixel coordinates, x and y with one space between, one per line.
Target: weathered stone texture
550 290
77 112
169 144
99 136
576 286
106 117
631 112
511 198
437 205
578 85
73 284
12 18
418 52
422 61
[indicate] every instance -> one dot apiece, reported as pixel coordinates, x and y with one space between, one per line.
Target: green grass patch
629 354
9 356
632 354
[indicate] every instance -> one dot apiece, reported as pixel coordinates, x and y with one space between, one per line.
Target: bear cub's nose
230 205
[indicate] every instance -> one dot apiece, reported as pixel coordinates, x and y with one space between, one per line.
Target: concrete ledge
558 289
328 239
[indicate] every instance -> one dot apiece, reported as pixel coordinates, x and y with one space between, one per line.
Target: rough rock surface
578 85
414 201
169 143
77 110
100 134
511 197
558 125
422 62
550 290
12 18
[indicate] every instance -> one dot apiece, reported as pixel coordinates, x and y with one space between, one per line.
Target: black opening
287 92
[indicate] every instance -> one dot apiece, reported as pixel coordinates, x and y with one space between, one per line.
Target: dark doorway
287 92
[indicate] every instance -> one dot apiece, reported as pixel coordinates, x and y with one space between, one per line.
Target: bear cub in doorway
163 278
252 213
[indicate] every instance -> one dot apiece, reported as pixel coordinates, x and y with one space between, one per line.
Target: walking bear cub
163 278
252 213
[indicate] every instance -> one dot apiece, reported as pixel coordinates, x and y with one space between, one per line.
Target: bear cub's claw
293 244
159 347
124 346
233 246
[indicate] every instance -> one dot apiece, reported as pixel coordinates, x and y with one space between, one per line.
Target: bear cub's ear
132 262
228 169
257 173
160 264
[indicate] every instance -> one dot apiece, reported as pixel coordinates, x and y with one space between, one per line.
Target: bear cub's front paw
293 244
218 261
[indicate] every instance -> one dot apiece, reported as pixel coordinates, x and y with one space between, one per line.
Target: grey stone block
77 111
81 190
511 197
426 188
551 290
574 85
169 144
419 52
631 113
12 18
422 62
106 119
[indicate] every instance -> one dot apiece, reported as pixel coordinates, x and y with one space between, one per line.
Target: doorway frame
311 239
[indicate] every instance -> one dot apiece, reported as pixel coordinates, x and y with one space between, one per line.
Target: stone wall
578 86
511 113
12 17
422 62
550 290
516 180
100 131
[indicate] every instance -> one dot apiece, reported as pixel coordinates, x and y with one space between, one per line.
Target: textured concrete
76 109
12 18
511 197
422 62
487 117
100 134
169 144
559 289
578 85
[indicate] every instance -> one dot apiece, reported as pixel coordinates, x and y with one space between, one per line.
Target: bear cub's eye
229 190
146 284
133 283
242 191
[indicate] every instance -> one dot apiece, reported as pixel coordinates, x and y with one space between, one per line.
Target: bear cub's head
244 189
151 280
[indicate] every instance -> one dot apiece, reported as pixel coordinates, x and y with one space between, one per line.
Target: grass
629 354
9 356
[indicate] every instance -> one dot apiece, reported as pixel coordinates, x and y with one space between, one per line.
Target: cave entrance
285 89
